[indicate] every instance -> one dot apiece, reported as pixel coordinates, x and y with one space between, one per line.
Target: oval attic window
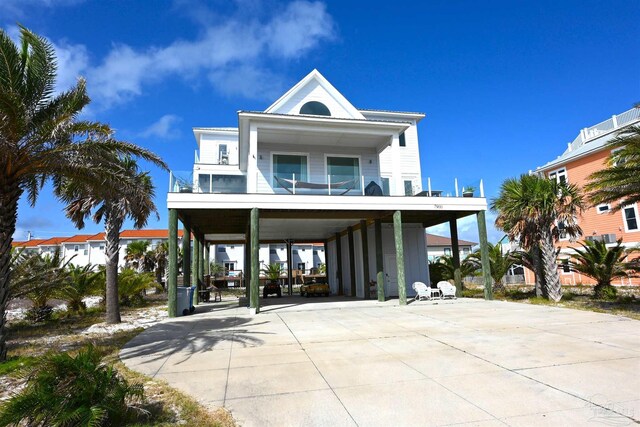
315 108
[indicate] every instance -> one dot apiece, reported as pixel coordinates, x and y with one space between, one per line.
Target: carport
301 218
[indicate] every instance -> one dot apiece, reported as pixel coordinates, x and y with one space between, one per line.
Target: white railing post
329 181
294 183
429 185
456 184
481 189
615 121
362 182
171 190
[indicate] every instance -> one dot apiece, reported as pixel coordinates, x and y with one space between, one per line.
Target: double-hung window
288 166
630 216
342 169
559 175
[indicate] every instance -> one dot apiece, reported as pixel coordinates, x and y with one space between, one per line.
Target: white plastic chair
447 290
422 291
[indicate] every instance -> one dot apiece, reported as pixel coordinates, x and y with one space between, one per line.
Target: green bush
71 391
133 285
605 292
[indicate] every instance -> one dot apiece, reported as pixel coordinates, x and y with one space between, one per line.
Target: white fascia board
315 75
395 114
346 125
321 202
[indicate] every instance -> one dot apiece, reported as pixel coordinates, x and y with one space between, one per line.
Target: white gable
314 87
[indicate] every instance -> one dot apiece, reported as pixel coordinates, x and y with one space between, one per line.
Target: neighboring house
304 256
587 154
313 168
84 249
438 246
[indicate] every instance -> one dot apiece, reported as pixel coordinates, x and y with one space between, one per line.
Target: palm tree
603 264
160 256
133 199
442 268
620 180
499 262
135 254
39 278
84 282
40 138
536 211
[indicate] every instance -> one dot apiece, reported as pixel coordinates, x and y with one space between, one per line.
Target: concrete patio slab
353 362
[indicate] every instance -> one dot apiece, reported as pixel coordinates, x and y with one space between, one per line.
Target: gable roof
54 241
147 234
28 243
324 83
435 240
78 238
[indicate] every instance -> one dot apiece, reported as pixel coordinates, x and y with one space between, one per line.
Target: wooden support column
365 258
290 267
397 232
455 252
172 280
339 264
207 260
200 266
379 260
195 263
247 262
352 264
484 256
254 301
186 253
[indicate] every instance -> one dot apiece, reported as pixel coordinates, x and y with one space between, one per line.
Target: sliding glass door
344 169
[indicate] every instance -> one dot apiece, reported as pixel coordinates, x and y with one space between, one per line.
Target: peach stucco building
585 155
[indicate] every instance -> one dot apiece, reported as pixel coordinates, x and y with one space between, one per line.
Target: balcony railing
331 185
615 122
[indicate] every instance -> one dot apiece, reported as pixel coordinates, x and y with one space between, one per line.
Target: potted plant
273 273
468 191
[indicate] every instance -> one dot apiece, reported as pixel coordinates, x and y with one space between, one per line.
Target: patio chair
447 290
422 291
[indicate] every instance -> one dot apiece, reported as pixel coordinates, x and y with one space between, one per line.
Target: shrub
84 282
70 391
605 292
132 286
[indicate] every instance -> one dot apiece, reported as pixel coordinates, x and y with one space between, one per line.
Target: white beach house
312 168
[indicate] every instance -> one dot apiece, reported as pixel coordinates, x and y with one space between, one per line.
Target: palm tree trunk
9 196
112 225
538 271
552 279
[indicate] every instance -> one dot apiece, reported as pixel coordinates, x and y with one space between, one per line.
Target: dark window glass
408 188
315 108
630 217
403 140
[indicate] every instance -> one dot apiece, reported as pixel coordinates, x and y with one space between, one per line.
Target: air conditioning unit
609 238
590 238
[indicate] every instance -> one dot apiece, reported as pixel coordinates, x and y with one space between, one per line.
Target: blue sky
504 84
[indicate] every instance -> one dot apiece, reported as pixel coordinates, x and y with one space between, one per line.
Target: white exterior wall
313 91
316 162
210 148
80 257
437 251
231 253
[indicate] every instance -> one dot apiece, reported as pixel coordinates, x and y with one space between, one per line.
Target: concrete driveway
342 363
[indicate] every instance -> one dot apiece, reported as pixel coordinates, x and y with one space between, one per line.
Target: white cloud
12 9
233 53
73 61
164 128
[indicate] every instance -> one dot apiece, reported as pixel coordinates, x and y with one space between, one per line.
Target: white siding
209 148
313 91
316 162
